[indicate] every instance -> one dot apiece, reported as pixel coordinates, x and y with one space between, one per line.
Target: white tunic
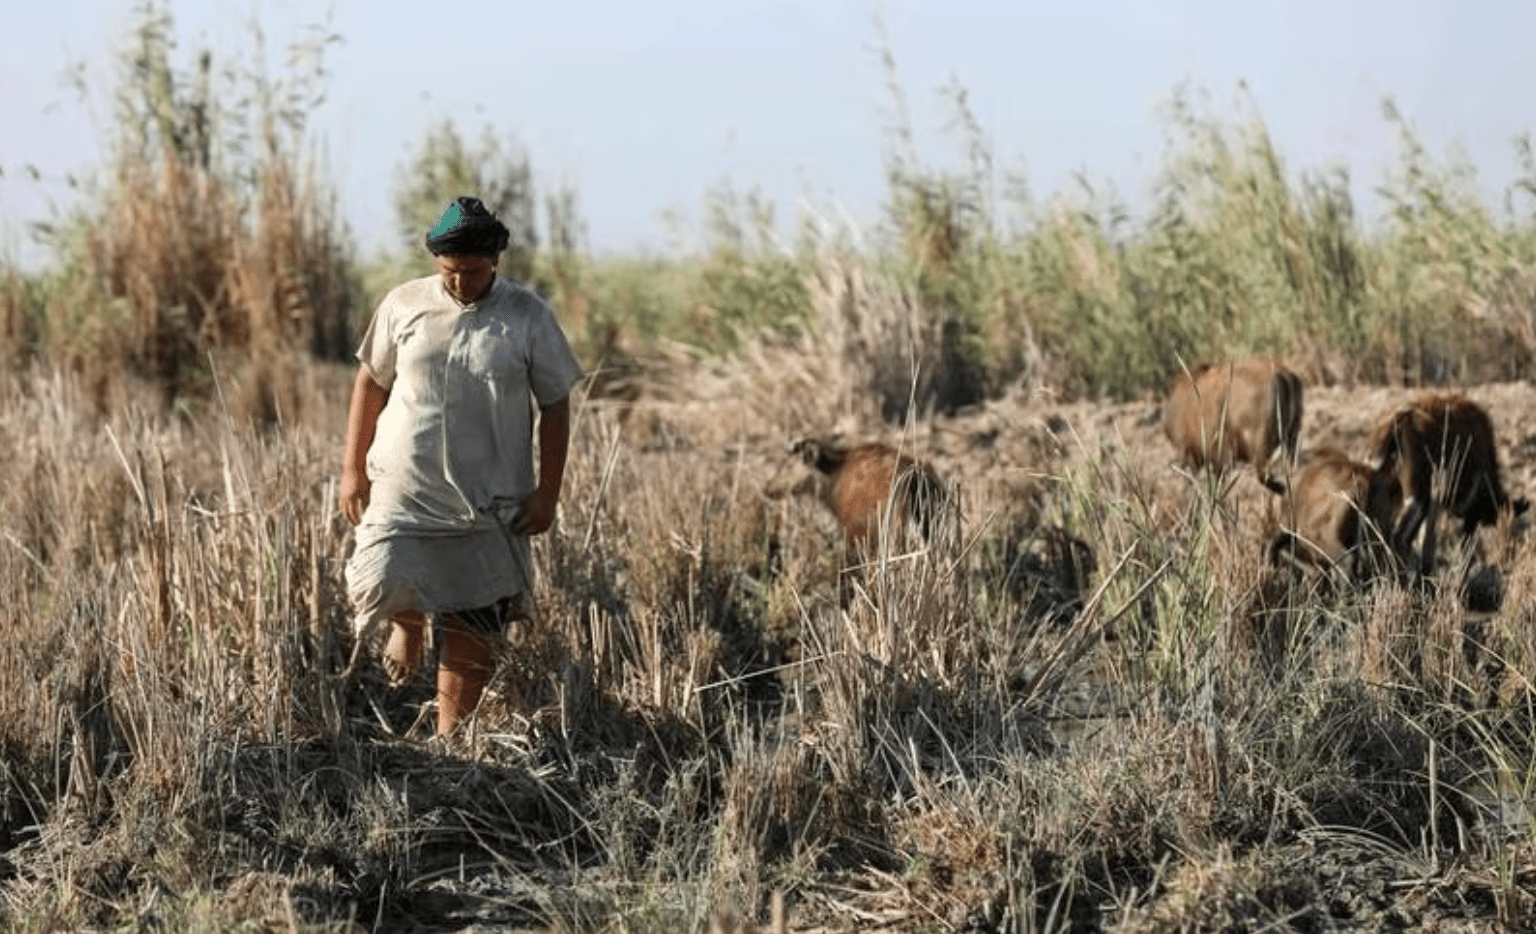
453 448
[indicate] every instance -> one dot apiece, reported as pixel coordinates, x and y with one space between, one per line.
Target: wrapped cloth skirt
478 575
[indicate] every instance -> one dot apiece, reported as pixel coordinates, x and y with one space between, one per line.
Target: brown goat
861 479
1442 450
1338 512
1246 411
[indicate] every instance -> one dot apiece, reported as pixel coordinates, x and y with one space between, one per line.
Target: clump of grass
865 355
210 238
1452 276
20 312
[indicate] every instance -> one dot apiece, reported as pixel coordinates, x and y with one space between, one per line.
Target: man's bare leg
462 672
403 652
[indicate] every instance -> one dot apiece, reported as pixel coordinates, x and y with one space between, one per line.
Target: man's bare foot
403 654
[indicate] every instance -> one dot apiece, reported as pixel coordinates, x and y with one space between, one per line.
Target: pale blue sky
643 106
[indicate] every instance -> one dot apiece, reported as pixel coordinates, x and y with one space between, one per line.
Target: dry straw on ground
698 717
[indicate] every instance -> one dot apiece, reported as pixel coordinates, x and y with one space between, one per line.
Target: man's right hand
353 498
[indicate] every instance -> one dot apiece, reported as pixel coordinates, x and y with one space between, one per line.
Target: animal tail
926 498
1291 405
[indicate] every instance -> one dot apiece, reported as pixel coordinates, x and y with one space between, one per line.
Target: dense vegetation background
211 231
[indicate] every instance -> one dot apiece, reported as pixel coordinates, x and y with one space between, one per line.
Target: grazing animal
1247 410
1442 450
861 479
1338 513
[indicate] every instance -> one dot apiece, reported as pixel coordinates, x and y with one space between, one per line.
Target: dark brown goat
1338 512
1443 452
1246 411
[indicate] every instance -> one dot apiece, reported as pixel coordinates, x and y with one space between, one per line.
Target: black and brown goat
1443 452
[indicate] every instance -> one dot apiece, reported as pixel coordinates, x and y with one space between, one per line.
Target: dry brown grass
696 719
181 274
206 249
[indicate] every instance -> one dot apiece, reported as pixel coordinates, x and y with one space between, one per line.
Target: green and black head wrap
469 228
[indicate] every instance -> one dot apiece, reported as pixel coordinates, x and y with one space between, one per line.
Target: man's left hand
538 514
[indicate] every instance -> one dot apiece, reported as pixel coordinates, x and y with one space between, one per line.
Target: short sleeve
554 368
377 351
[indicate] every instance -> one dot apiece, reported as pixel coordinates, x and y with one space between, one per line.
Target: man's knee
465 649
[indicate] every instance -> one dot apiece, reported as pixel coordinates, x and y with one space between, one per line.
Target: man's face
466 277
